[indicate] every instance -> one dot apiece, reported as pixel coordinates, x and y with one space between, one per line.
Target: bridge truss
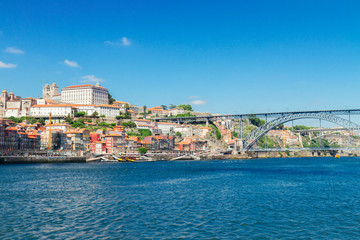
255 135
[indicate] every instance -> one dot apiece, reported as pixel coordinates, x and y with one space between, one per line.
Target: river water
226 199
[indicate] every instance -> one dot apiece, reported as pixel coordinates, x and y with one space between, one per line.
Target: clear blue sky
228 56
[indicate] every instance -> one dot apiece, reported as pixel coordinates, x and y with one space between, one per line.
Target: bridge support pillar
238 147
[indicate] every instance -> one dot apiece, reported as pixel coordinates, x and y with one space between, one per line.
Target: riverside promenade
40 159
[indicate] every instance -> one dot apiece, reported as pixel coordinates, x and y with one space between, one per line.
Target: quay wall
40 159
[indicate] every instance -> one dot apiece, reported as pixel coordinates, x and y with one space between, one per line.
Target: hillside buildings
11 105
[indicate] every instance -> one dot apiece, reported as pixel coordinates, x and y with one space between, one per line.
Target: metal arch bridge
302 149
281 117
255 135
260 115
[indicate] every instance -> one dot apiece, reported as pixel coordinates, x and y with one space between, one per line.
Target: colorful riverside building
16 138
191 144
78 139
158 143
2 134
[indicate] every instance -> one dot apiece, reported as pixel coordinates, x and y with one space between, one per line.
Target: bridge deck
272 114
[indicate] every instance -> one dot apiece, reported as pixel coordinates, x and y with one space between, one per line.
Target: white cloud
198 102
124 41
71 63
14 50
7 65
91 79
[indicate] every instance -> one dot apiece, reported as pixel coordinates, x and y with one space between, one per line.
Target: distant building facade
14 106
56 110
87 94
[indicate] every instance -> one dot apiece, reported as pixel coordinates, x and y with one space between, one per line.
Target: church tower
46 92
3 100
50 91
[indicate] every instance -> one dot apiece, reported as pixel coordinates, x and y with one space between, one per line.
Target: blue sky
227 56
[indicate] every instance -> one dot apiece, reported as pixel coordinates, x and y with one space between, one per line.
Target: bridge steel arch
255 135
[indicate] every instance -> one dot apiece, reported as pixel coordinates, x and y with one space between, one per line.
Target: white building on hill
85 94
56 110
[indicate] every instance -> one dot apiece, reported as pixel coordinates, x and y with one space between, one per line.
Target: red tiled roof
85 85
55 105
107 105
167 123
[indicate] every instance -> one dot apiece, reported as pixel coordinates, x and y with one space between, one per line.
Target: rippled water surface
268 199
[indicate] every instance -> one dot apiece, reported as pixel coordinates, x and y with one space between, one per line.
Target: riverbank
40 159
160 157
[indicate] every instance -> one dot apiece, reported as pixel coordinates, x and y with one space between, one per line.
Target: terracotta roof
165 123
145 125
142 120
113 135
134 138
156 108
58 124
121 102
54 105
71 132
107 105
12 128
82 105
85 85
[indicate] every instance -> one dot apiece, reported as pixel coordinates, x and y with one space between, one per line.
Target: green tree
103 124
128 124
111 99
235 134
218 134
256 121
42 121
95 114
145 132
127 116
164 107
300 127
80 114
186 107
78 124
142 150
188 114
127 108
178 134
171 106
